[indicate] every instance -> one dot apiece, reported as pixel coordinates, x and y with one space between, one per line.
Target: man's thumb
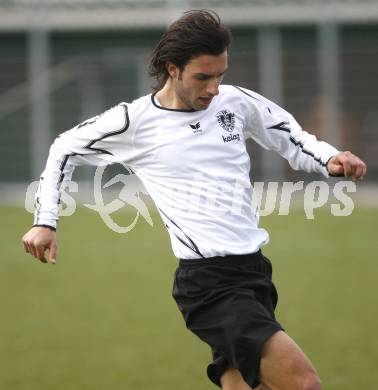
52 253
336 168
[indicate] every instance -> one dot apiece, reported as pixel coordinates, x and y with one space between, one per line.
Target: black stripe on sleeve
61 168
89 146
283 126
111 134
305 151
248 94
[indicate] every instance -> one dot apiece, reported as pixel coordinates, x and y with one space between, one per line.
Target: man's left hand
347 164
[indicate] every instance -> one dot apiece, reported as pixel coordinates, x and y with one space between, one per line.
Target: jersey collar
154 102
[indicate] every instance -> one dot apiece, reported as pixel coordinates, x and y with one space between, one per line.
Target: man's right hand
37 240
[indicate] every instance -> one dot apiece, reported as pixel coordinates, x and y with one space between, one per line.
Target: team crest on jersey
226 119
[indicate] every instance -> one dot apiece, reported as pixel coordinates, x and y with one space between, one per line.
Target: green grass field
103 317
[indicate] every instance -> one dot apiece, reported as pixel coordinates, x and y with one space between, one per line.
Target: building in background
63 61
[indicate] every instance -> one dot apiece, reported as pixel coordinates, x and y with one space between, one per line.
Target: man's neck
168 98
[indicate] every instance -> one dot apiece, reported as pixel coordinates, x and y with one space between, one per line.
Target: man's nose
213 87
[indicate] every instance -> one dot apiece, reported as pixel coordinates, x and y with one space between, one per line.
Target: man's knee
284 366
310 381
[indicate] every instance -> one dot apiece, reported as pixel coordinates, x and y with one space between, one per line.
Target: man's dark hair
196 33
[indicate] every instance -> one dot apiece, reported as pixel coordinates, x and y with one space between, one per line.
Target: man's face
198 83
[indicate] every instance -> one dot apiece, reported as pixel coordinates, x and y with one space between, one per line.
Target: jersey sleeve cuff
46 226
326 156
45 218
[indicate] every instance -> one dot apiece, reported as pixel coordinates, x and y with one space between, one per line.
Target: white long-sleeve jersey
194 164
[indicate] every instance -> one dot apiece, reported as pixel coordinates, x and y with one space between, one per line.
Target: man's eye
202 77
205 77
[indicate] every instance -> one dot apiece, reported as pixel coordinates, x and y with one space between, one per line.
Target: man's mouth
205 100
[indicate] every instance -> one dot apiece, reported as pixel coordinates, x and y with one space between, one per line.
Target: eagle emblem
226 119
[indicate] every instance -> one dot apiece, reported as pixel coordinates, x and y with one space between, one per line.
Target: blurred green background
104 318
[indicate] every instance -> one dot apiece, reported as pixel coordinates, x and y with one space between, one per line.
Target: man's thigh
284 365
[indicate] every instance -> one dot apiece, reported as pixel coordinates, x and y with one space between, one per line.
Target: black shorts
229 302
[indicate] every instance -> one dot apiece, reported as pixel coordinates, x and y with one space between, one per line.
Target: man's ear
172 70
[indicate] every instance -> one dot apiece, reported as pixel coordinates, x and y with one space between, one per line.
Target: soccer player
186 142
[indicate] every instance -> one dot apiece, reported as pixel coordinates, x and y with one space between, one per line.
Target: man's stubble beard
183 96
